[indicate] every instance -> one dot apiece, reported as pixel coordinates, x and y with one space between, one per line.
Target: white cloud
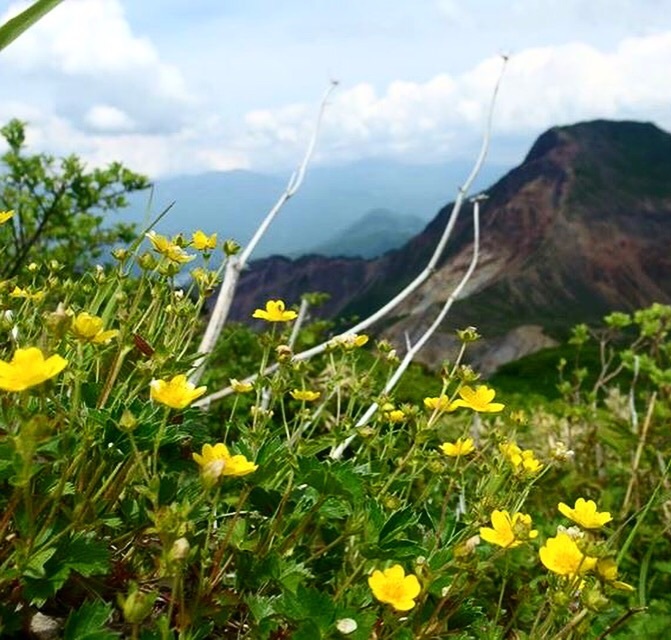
542 87
104 117
88 38
84 53
88 84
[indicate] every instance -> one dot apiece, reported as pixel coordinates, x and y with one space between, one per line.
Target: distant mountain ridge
378 231
581 227
233 203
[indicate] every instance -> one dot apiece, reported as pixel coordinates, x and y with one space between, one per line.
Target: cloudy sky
184 86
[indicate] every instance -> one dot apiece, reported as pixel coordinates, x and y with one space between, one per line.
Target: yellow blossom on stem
203 242
462 447
350 341
585 514
274 312
393 587
562 556
5 216
304 395
177 393
606 569
168 248
240 387
440 403
508 531
18 292
216 461
89 328
395 415
522 461
28 368
478 399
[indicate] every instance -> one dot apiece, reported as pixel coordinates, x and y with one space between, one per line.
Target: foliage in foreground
127 511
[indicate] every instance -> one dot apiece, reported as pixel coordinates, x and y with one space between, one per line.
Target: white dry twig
236 264
412 351
419 280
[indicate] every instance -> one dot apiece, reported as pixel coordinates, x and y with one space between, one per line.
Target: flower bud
469 334
121 254
231 248
146 261
136 606
128 422
283 353
180 550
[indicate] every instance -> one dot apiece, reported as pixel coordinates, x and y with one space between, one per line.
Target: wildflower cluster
132 493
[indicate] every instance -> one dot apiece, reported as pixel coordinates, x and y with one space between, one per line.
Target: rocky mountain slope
581 227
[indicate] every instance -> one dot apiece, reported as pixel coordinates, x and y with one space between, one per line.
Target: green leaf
397 523
260 606
308 604
335 509
86 556
307 630
88 623
35 566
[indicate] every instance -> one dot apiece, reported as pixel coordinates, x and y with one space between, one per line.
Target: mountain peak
602 135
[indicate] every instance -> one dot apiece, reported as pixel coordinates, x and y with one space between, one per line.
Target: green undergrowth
305 503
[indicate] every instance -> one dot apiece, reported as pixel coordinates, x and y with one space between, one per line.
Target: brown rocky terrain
581 227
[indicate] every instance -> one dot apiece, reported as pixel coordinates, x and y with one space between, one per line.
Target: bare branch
236 264
420 279
338 451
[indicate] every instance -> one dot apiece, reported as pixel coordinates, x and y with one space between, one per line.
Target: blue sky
183 86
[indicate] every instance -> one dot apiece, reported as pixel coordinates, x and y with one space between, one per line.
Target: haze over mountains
581 227
331 200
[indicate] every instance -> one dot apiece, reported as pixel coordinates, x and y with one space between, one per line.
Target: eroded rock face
580 228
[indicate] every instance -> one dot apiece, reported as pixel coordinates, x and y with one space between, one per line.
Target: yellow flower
29 368
215 461
274 312
585 514
168 248
529 463
478 399
178 393
240 387
350 341
90 329
304 396
606 568
510 450
507 531
203 242
562 556
5 215
18 292
522 461
393 587
441 403
462 447
395 415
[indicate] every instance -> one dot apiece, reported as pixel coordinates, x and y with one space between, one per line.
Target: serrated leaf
398 522
86 556
335 508
35 566
88 623
261 606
